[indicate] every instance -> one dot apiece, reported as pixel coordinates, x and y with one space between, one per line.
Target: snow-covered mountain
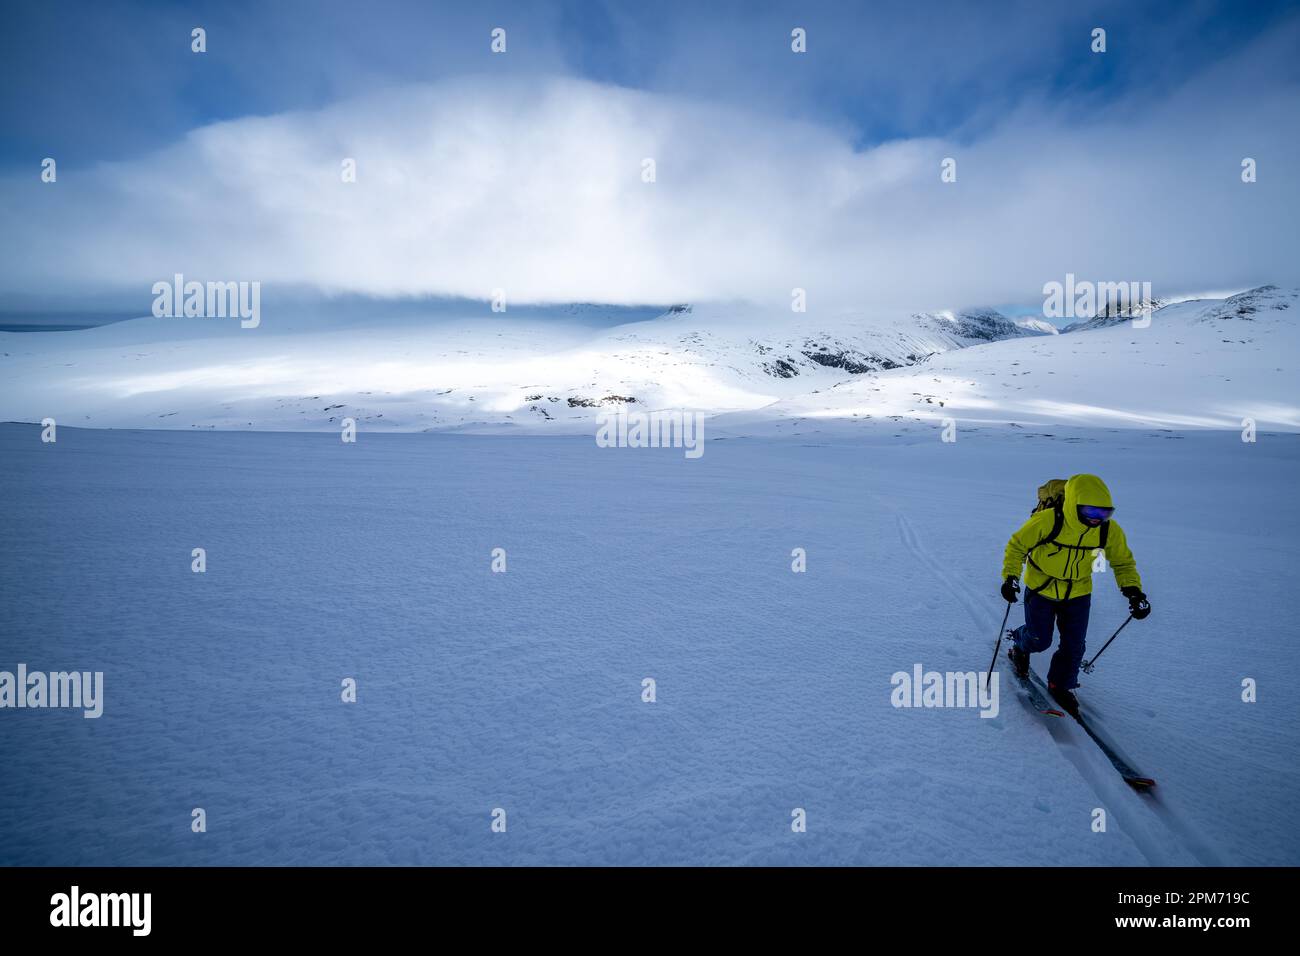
1038 325
412 372
976 325
1117 314
1199 363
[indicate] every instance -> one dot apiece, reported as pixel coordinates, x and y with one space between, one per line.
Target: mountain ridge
546 373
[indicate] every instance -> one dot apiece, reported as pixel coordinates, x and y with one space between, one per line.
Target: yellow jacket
1062 569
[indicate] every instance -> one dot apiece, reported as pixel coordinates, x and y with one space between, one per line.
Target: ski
1131 776
1036 697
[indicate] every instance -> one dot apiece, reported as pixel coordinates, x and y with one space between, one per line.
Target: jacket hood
1084 490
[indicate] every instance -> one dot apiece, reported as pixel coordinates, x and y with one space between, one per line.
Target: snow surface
522 690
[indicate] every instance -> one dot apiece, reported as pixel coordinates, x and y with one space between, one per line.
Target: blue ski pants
1071 619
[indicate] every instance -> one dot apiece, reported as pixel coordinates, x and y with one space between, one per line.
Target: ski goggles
1093 513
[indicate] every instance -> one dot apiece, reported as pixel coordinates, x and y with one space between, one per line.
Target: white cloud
534 186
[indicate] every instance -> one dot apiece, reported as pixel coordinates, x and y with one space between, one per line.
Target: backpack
1052 495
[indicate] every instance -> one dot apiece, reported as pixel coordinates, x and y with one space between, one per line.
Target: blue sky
112 79
819 168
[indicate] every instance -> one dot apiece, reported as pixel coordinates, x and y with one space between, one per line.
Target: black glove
1137 602
1011 587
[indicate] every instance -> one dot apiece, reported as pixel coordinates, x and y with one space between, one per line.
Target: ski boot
1069 703
1019 660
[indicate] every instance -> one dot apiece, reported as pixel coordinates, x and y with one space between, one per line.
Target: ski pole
1088 665
998 646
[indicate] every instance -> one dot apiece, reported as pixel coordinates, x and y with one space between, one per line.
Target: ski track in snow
1185 833
969 600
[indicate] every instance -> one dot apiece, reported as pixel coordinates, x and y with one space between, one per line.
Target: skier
1073 518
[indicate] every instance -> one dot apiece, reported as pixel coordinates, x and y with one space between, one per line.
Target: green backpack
1050 495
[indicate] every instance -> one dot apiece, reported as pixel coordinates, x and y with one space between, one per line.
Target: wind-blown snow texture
522 690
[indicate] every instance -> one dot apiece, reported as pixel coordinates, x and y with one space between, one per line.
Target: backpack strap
1105 530
1058 522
